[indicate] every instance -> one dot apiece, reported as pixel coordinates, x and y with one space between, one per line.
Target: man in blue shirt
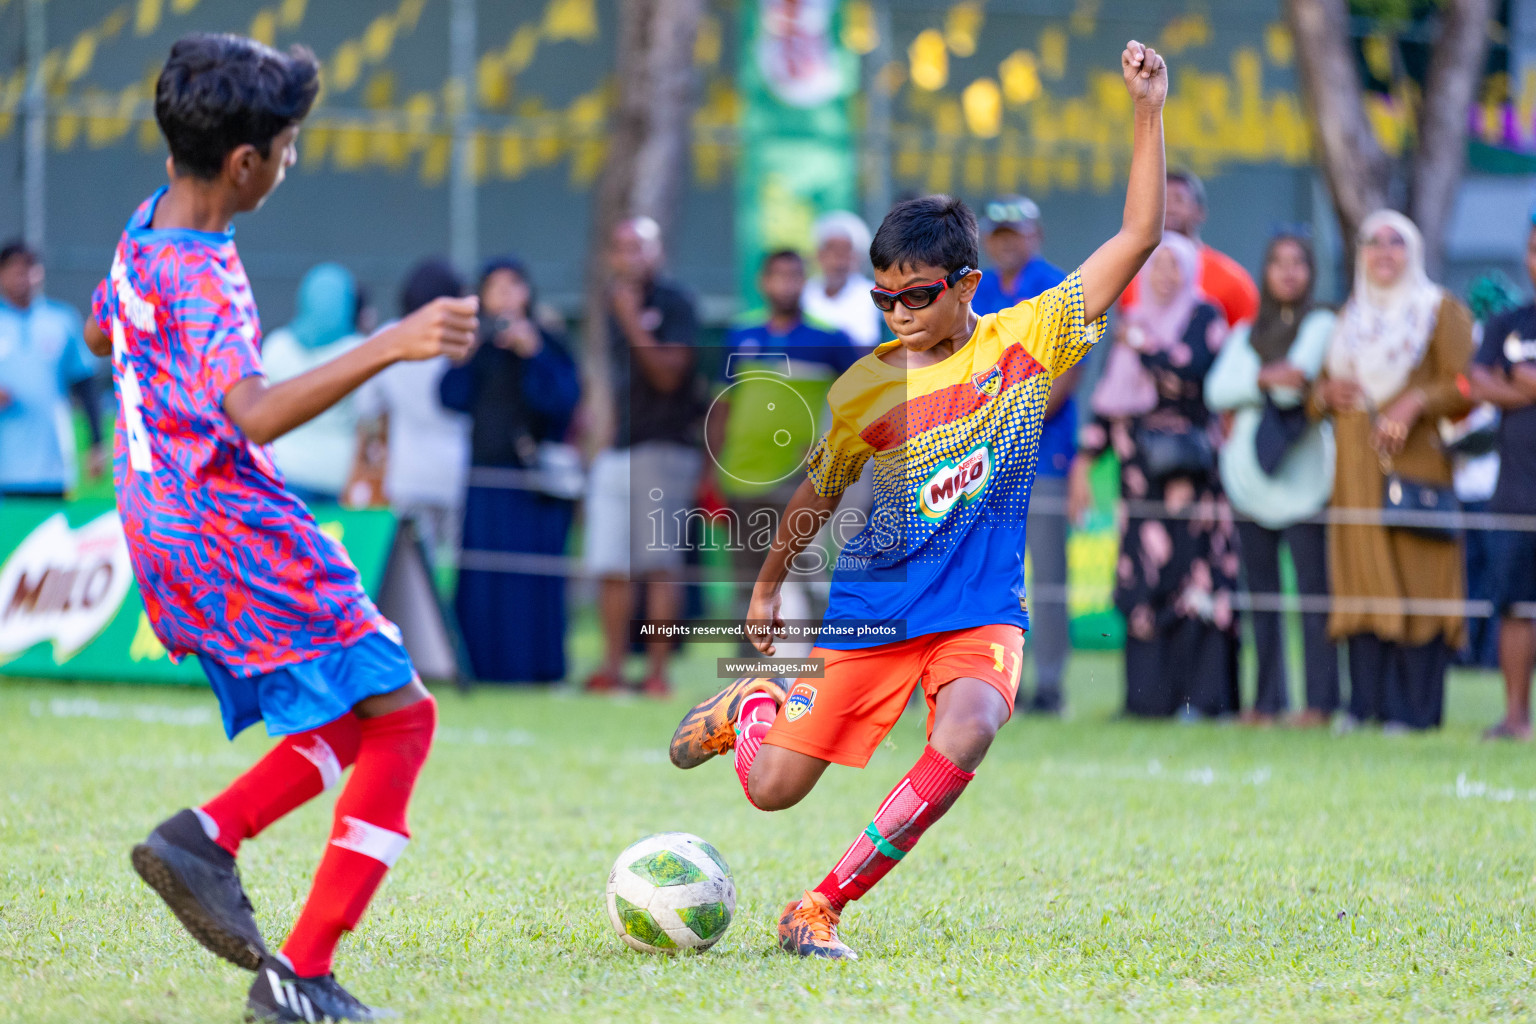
1011 236
42 356
767 417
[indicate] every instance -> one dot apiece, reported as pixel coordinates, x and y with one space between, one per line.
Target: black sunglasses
918 295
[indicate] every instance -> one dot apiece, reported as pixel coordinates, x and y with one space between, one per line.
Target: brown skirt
1376 569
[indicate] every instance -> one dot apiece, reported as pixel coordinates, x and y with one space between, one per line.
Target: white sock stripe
210 827
901 830
749 712
837 869
903 786
864 865
381 844
319 753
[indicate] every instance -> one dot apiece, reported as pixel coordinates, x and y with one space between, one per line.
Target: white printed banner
64 585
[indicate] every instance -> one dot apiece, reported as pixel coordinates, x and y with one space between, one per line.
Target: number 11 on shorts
998 650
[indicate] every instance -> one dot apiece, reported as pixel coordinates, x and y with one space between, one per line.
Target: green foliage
1097 870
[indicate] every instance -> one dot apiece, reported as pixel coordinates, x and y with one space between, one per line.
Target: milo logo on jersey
956 481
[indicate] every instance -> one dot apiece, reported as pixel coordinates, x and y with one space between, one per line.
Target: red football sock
294 772
920 799
368 835
753 720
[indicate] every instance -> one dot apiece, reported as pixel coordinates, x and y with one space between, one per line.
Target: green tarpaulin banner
1093 548
797 154
69 607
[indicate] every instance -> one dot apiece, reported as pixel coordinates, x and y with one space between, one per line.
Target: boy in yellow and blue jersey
932 590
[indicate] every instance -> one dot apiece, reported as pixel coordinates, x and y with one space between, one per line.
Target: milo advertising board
69 607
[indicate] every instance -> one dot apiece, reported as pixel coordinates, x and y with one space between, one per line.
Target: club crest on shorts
988 382
802 698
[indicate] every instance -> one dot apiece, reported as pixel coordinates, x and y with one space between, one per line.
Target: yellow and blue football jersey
954 446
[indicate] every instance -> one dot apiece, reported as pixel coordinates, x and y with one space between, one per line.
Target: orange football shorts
845 715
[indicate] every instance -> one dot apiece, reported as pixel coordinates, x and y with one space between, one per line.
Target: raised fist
1146 75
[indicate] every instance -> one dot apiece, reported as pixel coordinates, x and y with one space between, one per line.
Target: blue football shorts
307 695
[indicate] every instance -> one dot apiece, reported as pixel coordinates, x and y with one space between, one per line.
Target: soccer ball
669 892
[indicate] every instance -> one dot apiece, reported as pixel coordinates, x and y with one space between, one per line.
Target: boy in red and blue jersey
232 566
931 591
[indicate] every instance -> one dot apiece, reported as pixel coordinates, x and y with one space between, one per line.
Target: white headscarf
1383 332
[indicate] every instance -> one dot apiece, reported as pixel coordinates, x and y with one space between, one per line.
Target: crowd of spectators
1247 420
1252 426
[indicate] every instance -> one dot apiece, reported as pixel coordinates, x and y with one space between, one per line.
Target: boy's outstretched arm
1106 273
265 411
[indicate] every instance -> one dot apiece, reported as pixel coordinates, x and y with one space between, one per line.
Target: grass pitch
1096 870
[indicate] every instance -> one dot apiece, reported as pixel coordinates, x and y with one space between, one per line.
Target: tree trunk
1352 161
655 91
1455 68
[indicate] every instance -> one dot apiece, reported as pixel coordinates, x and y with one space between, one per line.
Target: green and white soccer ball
670 892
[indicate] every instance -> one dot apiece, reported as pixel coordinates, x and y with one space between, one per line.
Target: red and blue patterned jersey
230 564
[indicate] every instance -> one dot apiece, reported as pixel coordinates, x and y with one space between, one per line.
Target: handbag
1175 453
1279 429
1403 498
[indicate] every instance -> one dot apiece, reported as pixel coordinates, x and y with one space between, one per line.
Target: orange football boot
809 928
710 728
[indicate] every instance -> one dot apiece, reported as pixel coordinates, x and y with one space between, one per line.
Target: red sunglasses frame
935 288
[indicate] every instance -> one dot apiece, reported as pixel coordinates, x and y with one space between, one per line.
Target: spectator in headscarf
520 389
1394 368
1277 470
428 446
1176 574
316 458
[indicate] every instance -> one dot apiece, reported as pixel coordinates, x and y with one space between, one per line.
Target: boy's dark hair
15 249
1190 181
938 231
782 254
219 92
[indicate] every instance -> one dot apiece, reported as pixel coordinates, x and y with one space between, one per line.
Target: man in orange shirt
1222 278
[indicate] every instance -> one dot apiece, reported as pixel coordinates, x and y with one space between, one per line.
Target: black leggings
1261 573
1187 662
